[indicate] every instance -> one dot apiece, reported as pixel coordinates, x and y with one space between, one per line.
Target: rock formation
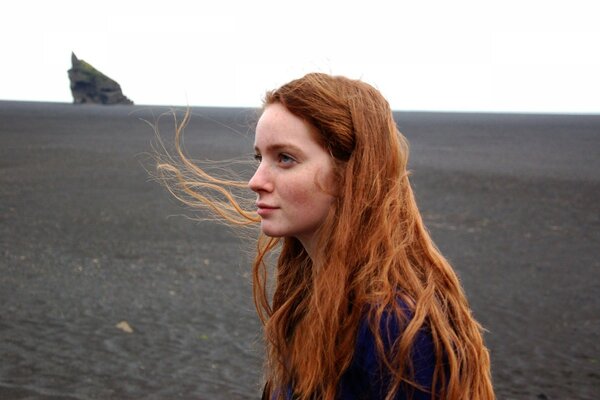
90 86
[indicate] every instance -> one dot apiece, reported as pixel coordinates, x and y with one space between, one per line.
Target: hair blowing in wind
374 259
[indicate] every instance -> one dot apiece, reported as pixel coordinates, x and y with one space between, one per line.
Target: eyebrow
281 146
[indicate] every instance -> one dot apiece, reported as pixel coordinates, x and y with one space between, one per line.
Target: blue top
365 379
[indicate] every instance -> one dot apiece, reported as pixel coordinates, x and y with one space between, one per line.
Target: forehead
278 126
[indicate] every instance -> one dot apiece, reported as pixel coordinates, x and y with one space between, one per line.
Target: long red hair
373 250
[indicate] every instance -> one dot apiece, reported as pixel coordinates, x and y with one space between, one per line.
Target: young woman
364 304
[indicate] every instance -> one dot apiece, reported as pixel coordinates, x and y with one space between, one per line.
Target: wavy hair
373 249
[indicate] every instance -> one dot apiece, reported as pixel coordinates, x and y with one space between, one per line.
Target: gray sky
509 55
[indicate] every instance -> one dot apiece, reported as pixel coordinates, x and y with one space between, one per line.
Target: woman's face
294 179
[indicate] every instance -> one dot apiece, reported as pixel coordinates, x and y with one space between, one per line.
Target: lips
264 209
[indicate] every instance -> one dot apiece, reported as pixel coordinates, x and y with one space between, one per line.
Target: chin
272 232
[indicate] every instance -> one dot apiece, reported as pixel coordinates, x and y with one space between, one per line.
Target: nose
261 181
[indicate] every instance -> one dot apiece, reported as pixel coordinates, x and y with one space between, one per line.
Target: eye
257 158
286 159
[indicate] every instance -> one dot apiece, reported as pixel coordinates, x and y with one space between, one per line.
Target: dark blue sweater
365 379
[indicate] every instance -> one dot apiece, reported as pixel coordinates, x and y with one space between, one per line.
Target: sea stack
90 86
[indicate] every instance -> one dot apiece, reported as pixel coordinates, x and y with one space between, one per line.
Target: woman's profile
364 305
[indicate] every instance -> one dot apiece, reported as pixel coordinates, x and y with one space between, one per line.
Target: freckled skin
294 180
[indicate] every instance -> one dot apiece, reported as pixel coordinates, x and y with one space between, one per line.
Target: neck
309 245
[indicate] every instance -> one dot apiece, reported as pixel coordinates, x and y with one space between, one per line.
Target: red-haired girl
364 305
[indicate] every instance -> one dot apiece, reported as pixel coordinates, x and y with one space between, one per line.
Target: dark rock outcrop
90 86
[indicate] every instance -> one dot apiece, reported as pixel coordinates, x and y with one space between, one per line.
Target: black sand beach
88 240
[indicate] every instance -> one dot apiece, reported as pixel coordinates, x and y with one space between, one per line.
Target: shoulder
367 377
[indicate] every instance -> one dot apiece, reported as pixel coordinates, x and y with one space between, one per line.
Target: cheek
310 199
300 195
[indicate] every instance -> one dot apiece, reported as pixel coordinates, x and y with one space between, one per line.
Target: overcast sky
508 55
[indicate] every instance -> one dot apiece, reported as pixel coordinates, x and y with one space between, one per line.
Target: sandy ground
88 240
